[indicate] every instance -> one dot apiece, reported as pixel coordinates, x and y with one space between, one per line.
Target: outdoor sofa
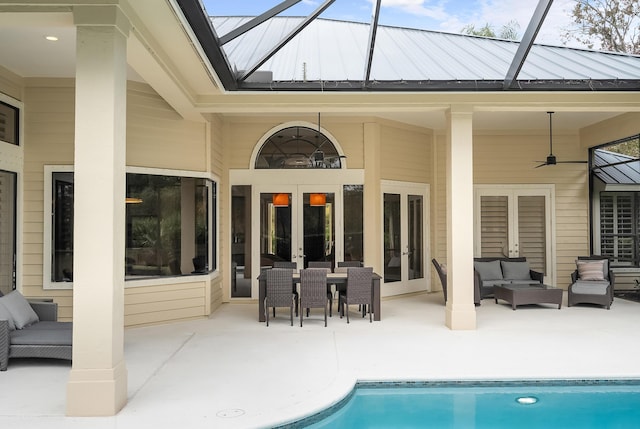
29 329
490 272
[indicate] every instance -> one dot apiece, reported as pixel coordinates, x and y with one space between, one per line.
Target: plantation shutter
494 225
619 226
532 231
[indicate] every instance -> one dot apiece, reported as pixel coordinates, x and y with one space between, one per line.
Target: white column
372 236
460 310
98 380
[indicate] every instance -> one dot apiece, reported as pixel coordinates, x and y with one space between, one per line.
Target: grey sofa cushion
486 283
22 313
590 287
488 270
6 315
50 334
515 270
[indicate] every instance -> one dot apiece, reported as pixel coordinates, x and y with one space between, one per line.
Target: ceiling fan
551 158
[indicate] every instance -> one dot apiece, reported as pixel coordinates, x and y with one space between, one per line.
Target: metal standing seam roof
332 50
628 174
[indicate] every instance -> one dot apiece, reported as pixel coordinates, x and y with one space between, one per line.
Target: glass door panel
415 236
275 228
405 230
318 228
392 245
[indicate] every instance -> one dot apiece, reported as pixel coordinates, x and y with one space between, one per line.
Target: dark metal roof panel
616 174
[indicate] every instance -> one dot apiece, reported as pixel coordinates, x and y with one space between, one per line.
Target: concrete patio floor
229 371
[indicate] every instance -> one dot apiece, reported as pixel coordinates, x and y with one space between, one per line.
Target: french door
405 230
297 223
516 221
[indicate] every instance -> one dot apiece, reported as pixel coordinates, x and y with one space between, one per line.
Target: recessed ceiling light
51 38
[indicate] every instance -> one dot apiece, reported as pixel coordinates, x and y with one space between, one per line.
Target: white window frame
12 160
47 284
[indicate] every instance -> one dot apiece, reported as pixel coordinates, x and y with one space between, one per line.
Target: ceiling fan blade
573 162
541 165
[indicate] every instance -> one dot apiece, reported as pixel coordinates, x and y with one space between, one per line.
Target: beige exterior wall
156 138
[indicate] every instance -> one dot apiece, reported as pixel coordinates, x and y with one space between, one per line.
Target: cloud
416 7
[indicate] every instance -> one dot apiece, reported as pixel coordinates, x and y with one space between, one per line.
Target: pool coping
379 384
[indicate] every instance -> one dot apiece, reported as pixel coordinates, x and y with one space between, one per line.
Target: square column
98 379
460 311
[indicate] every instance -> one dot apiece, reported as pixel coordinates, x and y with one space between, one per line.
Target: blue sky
440 15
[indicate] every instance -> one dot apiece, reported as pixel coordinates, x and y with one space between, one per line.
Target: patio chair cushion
488 270
19 308
515 270
5 315
590 287
591 270
44 334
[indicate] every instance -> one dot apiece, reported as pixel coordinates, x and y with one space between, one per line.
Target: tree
611 25
509 31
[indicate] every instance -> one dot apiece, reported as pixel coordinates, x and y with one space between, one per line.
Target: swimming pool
580 404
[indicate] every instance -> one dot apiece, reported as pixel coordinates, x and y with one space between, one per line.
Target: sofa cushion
5 315
22 313
590 287
53 334
495 282
488 270
591 270
515 270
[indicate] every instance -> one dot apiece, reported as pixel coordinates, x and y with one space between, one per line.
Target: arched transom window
298 147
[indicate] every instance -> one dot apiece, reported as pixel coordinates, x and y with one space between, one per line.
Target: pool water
583 405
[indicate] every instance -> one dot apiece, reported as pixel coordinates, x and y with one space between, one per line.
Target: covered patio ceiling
250 53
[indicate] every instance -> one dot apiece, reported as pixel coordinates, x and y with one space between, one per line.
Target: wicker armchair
442 273
279 291
591 289
358 291
313 291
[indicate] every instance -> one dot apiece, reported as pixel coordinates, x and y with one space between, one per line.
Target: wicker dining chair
358 291
313 291
279 291
327 265
292 266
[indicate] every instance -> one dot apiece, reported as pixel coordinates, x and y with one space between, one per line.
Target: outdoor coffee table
528 294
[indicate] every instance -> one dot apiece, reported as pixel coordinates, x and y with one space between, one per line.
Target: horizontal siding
160 304
406 154
158 137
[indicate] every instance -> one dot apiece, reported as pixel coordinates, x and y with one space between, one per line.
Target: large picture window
170 226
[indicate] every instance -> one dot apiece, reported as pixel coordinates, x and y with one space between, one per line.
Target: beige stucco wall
156 138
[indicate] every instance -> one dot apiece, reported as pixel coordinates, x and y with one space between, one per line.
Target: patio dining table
338 279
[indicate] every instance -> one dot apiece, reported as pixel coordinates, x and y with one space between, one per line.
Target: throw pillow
515 270
488 270
22 313
5 315
590 270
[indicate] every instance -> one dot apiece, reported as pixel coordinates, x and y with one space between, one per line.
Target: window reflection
298 147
